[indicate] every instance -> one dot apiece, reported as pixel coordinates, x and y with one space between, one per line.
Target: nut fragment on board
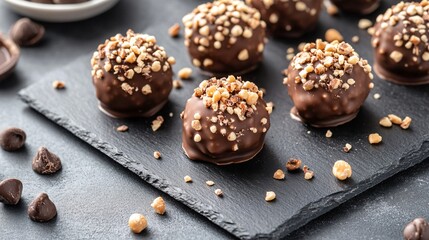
374 138
270 196
279 174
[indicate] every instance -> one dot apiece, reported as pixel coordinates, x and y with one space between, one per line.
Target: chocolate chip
10 191
418 229
46 162
12 139
42 209
26 32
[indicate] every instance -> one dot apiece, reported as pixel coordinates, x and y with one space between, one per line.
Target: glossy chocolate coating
357 6
218 53
9 55
288 18
418 229
324 106
400 42
42 209
115 99
10 191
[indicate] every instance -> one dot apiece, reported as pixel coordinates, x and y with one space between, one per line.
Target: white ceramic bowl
60 12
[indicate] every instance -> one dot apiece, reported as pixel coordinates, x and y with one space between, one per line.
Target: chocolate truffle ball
357 6
225 37
288 18
400 42
328 83
225 121
132 75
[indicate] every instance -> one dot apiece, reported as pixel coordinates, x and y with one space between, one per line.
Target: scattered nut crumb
156 124
210 183
385 122
218 192
279 175
137 222
177 83
188 179
364 23
174 30
289 56
122 128
185 73
355 39
406 123
371 31
171 114
328 134
158 205
301 46
58 84
347 147
157 154
394 119
332 35
331 9
342 170
374 138
293 164
308 174
270 196
377 96
270 107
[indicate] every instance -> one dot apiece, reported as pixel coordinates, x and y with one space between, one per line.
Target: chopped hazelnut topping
122 128
347 147
406 123
146 89
385 122
197 138
156 124
279 175
396 56
210 183
293 164
218 192
342 170
243 55
58 84
157 154
158 205
308 174
332 35
187 179
328 134
270 196
185 73
174 30
374 138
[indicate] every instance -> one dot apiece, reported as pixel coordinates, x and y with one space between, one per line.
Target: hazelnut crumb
342 170
308 174
377 96
385 122
177 83
347 147
58 84
122 128
328 134
158 205
185 73
364 23
218 192
374 138
137 222
279 175
332 10
174 30
187 179
332 35
156 124
270 196
171 114
394 119
406 123
157 154
210 183
355 39
293 164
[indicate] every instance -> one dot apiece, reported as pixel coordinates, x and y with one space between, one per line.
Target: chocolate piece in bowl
10 191
288 18
225 121
132 75
328 83
225 37
42 209
357 6
9 55
12 139
26 32
401 43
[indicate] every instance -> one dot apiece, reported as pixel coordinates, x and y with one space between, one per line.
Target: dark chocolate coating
26 32
418 229
9 55
214 147
46 162
413 67
357 6
42 209
10 191
287 20
12 139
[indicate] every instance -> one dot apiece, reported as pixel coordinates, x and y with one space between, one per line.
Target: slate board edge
415 155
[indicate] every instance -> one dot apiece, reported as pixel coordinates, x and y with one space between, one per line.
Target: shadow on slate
242 211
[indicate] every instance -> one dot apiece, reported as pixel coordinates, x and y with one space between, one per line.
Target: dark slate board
243 211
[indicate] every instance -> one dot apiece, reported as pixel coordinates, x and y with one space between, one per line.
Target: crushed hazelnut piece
332 10
197 138
385 122
185 73
279 174
270 196
122 128
355 39
328 134
293 164
187 179
158 205
377 96
137 223
396 56
374 138
146 89
308 174
364 23
347 147
218 192
174 30
157 154
394 119
332 35
156 124
243 55
342 170
406 123
58 84
177 83
210 183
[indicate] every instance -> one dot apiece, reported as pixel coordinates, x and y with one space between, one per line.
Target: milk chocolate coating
26 32
418 229
357 6
413 67
225 60
42 209
10 191
285 20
